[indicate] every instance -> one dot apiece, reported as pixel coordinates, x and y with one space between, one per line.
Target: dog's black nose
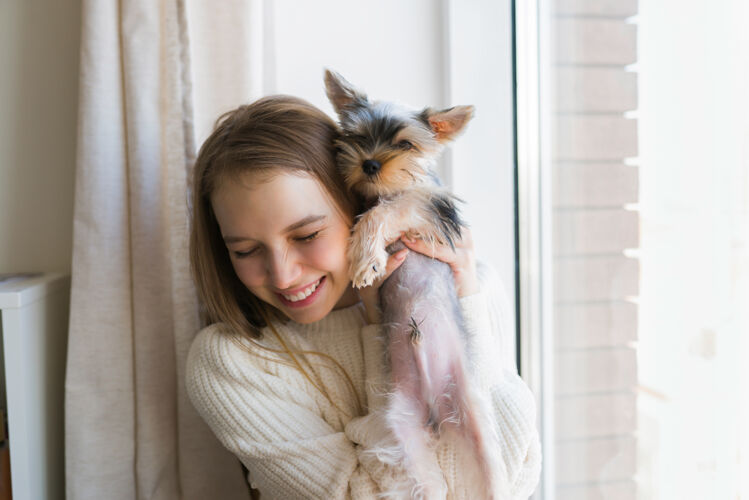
371 167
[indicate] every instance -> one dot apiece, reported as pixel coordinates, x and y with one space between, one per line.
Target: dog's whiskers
413 177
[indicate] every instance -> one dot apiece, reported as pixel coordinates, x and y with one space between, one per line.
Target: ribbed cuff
483 348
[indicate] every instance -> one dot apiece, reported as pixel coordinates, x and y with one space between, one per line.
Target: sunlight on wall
694 196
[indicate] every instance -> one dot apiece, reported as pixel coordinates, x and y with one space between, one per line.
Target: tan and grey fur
386 154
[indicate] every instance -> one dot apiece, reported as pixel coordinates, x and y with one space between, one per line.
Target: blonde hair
271 134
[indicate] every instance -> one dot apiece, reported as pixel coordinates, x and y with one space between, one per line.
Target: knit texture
297 443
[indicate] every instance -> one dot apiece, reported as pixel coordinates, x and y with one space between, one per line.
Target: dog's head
385 148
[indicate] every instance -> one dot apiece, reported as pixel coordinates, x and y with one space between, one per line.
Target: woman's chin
305 317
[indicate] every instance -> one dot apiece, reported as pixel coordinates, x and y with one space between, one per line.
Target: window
633 196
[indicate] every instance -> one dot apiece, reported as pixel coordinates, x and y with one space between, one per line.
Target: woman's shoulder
230 374
220 362
219 351
211 352
213 333
211 341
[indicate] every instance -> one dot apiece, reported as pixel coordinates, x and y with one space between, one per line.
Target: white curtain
154 76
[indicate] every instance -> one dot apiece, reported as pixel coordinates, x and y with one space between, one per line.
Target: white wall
392 57
694 207
39 41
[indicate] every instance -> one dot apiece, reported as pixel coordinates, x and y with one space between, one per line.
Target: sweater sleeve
272 422
491 354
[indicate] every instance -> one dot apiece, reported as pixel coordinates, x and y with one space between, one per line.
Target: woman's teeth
303 294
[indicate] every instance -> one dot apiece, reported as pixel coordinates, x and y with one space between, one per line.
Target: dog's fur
386 155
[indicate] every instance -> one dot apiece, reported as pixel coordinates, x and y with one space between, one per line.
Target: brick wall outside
595 283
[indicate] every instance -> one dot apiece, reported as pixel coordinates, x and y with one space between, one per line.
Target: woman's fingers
443 252
461 259
435 250
394 261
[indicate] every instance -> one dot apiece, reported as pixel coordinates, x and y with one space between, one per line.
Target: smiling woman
290 374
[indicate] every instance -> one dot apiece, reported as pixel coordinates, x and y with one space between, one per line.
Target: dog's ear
341 93
447 124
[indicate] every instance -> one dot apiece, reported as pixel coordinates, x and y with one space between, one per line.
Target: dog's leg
413 212
366 252
405 419
468 415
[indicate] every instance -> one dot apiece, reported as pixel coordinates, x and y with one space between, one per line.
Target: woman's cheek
250 271
326 255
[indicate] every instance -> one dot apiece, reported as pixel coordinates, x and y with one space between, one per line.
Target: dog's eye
404 144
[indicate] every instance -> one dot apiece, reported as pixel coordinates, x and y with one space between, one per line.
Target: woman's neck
349 298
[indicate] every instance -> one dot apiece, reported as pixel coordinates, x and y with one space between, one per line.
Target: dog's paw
367 270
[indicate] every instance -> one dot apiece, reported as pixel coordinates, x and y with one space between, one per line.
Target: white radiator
34 329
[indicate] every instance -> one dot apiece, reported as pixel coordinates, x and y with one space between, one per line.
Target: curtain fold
131 432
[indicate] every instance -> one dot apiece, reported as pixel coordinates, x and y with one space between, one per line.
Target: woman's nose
283 269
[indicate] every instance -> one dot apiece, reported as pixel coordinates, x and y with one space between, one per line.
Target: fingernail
402 254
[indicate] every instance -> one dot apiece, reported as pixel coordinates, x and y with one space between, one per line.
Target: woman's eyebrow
303 222
300 223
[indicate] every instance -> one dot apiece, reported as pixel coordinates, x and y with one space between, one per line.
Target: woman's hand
462 260
369 295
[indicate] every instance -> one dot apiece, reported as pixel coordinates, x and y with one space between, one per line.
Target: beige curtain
131 432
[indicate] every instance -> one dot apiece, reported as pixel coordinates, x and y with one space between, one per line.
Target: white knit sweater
296 444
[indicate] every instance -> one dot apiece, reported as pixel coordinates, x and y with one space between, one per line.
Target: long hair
271 134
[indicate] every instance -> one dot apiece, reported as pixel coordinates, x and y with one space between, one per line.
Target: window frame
534 277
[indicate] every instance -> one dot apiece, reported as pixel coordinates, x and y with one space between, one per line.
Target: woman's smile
303 296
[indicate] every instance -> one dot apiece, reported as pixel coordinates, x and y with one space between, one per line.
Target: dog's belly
423 328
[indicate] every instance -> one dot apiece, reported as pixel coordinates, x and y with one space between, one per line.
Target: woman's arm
490 354
272 422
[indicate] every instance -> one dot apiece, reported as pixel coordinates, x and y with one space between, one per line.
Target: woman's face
287 242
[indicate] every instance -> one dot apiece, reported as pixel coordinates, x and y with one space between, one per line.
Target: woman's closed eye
239 254
308 237
245 253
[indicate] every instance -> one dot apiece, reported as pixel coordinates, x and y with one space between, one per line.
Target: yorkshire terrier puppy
386 155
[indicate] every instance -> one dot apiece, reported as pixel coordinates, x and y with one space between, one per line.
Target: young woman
289 375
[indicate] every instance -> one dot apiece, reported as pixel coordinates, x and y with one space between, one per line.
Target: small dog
386 155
